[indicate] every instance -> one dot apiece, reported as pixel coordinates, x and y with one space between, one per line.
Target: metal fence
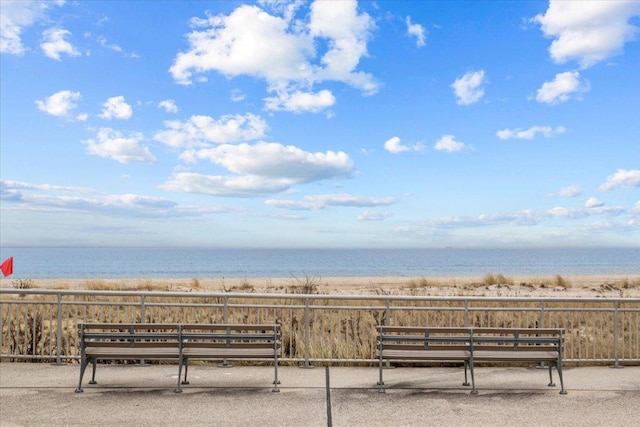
41 325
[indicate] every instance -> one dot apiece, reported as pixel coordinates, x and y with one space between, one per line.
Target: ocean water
114 263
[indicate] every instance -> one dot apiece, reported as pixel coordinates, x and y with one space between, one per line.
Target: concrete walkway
43 395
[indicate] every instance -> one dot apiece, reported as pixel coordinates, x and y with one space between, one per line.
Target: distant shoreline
614 285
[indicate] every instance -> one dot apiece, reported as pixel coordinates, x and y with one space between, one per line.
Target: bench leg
93 372
559 369
275 380
466 381
551 383
178 389
380 382
474 390
83 366
186 368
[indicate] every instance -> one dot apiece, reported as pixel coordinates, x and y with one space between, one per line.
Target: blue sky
283 123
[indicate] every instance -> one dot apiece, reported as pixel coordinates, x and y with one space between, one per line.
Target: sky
320 124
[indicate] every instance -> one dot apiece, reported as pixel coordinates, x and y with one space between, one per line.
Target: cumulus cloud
448 143
321 201
593 202
86 200
54 44
168 105
368 215
622 179
417 31
250 41
590 31
394 145
202 131
109 143
299 102
116 108
468 88
532 132
561 87
568 191
260 169
225 186
16 17
60 104
273 160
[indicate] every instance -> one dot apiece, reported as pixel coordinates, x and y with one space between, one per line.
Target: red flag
7 267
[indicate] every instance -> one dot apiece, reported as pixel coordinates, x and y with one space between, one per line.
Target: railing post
143 319
307 333
466 313
143 314
616 363
225 310
542 323
58 361
387 311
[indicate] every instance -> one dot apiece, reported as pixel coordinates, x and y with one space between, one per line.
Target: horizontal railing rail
41 325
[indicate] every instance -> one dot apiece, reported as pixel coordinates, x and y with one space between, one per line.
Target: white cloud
116 108
394 145
60 104
321 201
468 88
202 131
298 101
546 131
114 47
373 215
225 186
561 88
417 31
16 16
237 95
263 168
293 205
350 200
250 41
112 144
449 143
622 179
568 191
168 105
54 44
273 160
121 205
588 31
593 202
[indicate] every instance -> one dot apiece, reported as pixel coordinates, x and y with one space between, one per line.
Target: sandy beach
585 286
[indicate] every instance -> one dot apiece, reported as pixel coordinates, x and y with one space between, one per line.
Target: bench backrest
518 339
129 335
423 338
230 336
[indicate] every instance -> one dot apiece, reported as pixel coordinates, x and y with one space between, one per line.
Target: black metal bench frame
177 343
470 346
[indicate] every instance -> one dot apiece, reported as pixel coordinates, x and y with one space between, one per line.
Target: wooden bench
417 344
492 345
471 346
178 343
224 342
127 341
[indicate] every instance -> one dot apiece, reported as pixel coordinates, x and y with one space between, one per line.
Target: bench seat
453 355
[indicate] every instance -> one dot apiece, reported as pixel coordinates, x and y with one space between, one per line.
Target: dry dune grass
337 328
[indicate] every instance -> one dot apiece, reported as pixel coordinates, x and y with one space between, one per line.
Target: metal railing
41 325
